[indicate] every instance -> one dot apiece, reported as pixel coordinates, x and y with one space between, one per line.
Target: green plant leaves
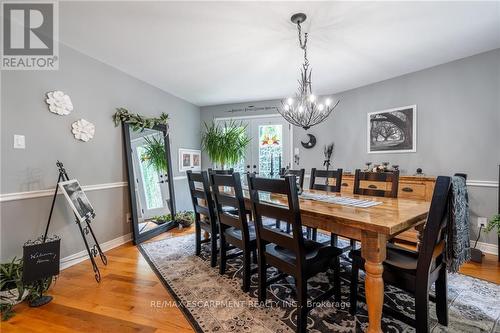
155 154
225 144
138 122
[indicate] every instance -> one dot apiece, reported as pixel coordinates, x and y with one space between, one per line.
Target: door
270 147
151 185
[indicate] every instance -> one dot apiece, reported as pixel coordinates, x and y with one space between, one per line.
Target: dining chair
413 271
316 184
291 254
221 171
234 227
379 184
203 204
300 175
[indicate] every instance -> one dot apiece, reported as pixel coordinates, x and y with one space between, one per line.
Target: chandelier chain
303 46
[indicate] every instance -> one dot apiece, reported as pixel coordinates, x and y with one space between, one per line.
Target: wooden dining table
372 226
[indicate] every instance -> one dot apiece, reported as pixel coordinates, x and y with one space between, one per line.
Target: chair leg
442 297
197 238
301 286
334 240
223 257
246 270
314 234
213 259
353 244
288 228
336 279
262 276
422 307
278 224
353 294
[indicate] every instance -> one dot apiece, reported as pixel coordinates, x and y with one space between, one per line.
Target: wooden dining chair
291 254
413 271
379 184
234 227
203 205
320 184
300 175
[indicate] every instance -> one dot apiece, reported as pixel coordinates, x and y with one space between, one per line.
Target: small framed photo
392 130
77 199
189 159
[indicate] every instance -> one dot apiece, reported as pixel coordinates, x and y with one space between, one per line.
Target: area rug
215 303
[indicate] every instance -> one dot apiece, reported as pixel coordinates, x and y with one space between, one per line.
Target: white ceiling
222 52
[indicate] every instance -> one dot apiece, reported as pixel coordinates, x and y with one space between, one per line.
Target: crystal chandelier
305 109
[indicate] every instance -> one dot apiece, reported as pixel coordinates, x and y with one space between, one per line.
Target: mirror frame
141 237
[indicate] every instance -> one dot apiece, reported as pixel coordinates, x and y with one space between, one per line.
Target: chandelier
305 109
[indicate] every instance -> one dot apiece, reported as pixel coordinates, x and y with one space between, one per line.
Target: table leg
373 248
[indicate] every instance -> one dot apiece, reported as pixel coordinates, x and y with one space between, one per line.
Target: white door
151 186
270 146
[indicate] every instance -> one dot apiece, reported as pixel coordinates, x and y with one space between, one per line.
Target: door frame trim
272 115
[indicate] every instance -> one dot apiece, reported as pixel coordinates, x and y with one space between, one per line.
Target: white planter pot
12 296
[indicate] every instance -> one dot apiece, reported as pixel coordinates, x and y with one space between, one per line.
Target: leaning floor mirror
150 181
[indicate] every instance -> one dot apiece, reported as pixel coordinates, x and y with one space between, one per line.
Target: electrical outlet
129 218
482 222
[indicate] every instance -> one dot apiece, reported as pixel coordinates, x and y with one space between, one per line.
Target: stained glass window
270 150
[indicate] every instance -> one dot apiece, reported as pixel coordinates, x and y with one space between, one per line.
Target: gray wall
96 89
458 125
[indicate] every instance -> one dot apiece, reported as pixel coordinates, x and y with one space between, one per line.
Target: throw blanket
458 240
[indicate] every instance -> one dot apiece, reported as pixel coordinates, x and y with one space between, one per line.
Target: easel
96 249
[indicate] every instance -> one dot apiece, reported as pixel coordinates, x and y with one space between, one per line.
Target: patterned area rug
215 303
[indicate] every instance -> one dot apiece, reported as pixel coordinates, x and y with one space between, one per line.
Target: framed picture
393 130
189 159
77 199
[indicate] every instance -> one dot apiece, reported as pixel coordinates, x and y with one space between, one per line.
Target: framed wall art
189 159
392 130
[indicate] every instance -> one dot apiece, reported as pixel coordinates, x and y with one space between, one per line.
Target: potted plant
225 144
154 153
185 218
13 290
494 223
161 219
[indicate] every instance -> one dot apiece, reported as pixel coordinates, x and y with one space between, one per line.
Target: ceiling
223 52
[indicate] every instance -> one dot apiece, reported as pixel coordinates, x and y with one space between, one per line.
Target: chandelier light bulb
290 101
312 98
321 107
328 102
301 108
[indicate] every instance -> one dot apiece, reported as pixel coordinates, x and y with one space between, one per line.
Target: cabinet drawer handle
407 189
372 186
345 184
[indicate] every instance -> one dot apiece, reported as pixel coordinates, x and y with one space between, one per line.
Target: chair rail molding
49 192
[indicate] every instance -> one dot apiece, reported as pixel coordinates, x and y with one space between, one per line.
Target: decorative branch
138 122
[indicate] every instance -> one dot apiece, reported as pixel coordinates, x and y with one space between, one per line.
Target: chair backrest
220 172
380 184
231 196
433 242
330 174
300 174
199 188
287 211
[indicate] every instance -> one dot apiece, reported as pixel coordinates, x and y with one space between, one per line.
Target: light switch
19 142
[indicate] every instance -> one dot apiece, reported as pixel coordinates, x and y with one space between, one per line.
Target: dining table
373 226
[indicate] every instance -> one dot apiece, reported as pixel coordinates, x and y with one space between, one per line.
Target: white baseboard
486 247
83 255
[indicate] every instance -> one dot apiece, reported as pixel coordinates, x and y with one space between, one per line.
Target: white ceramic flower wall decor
83 130
59 102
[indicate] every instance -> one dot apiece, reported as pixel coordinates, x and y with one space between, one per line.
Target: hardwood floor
122 302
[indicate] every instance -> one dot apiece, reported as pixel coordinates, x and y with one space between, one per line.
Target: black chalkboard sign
41 260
